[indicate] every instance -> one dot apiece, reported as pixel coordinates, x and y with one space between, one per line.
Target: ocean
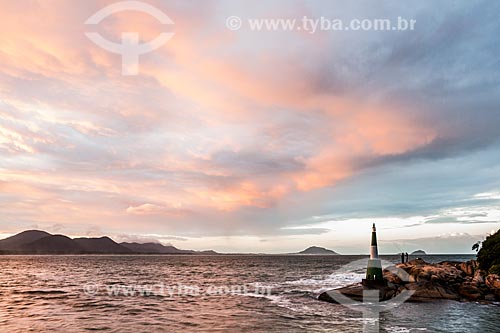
196 293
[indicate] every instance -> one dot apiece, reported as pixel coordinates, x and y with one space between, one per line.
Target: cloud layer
249 134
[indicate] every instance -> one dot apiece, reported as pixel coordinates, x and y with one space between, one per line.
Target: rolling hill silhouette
41 242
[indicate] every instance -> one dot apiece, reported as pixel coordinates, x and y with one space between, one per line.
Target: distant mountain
41 242
152 248
211 252
101 245
317 250
419 253
25 237
53 244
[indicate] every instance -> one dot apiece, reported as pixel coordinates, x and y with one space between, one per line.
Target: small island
418 253
316 250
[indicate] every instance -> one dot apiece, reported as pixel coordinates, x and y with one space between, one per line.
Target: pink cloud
106 147
152 209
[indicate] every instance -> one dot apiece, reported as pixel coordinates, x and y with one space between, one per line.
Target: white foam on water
295 295
330 282
398 329
314 285
337 279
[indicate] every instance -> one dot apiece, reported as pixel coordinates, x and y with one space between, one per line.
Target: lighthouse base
374 270
374 283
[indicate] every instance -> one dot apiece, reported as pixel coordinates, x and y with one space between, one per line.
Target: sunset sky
253 141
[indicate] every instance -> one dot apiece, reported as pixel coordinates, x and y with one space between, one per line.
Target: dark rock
493 281
469 292
478 278
355 292
392 278
496 292
429 291
468 267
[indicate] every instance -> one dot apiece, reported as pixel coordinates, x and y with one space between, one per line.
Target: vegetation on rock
489 255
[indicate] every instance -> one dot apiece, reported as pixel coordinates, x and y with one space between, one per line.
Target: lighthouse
374 269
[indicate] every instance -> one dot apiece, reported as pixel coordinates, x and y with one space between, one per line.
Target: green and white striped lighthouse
374 269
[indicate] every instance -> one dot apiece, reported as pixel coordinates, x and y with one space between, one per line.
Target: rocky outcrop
493 281
469 267
459 281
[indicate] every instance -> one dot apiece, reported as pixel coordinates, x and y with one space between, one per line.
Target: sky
253 141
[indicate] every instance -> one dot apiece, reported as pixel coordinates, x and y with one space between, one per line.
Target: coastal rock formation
493 281
459 281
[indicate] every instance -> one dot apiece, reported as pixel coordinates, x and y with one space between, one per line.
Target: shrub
495 269
489 255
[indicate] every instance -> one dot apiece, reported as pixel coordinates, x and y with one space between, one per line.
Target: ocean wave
314 285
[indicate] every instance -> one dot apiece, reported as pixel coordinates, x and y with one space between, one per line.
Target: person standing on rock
402 257
406 255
